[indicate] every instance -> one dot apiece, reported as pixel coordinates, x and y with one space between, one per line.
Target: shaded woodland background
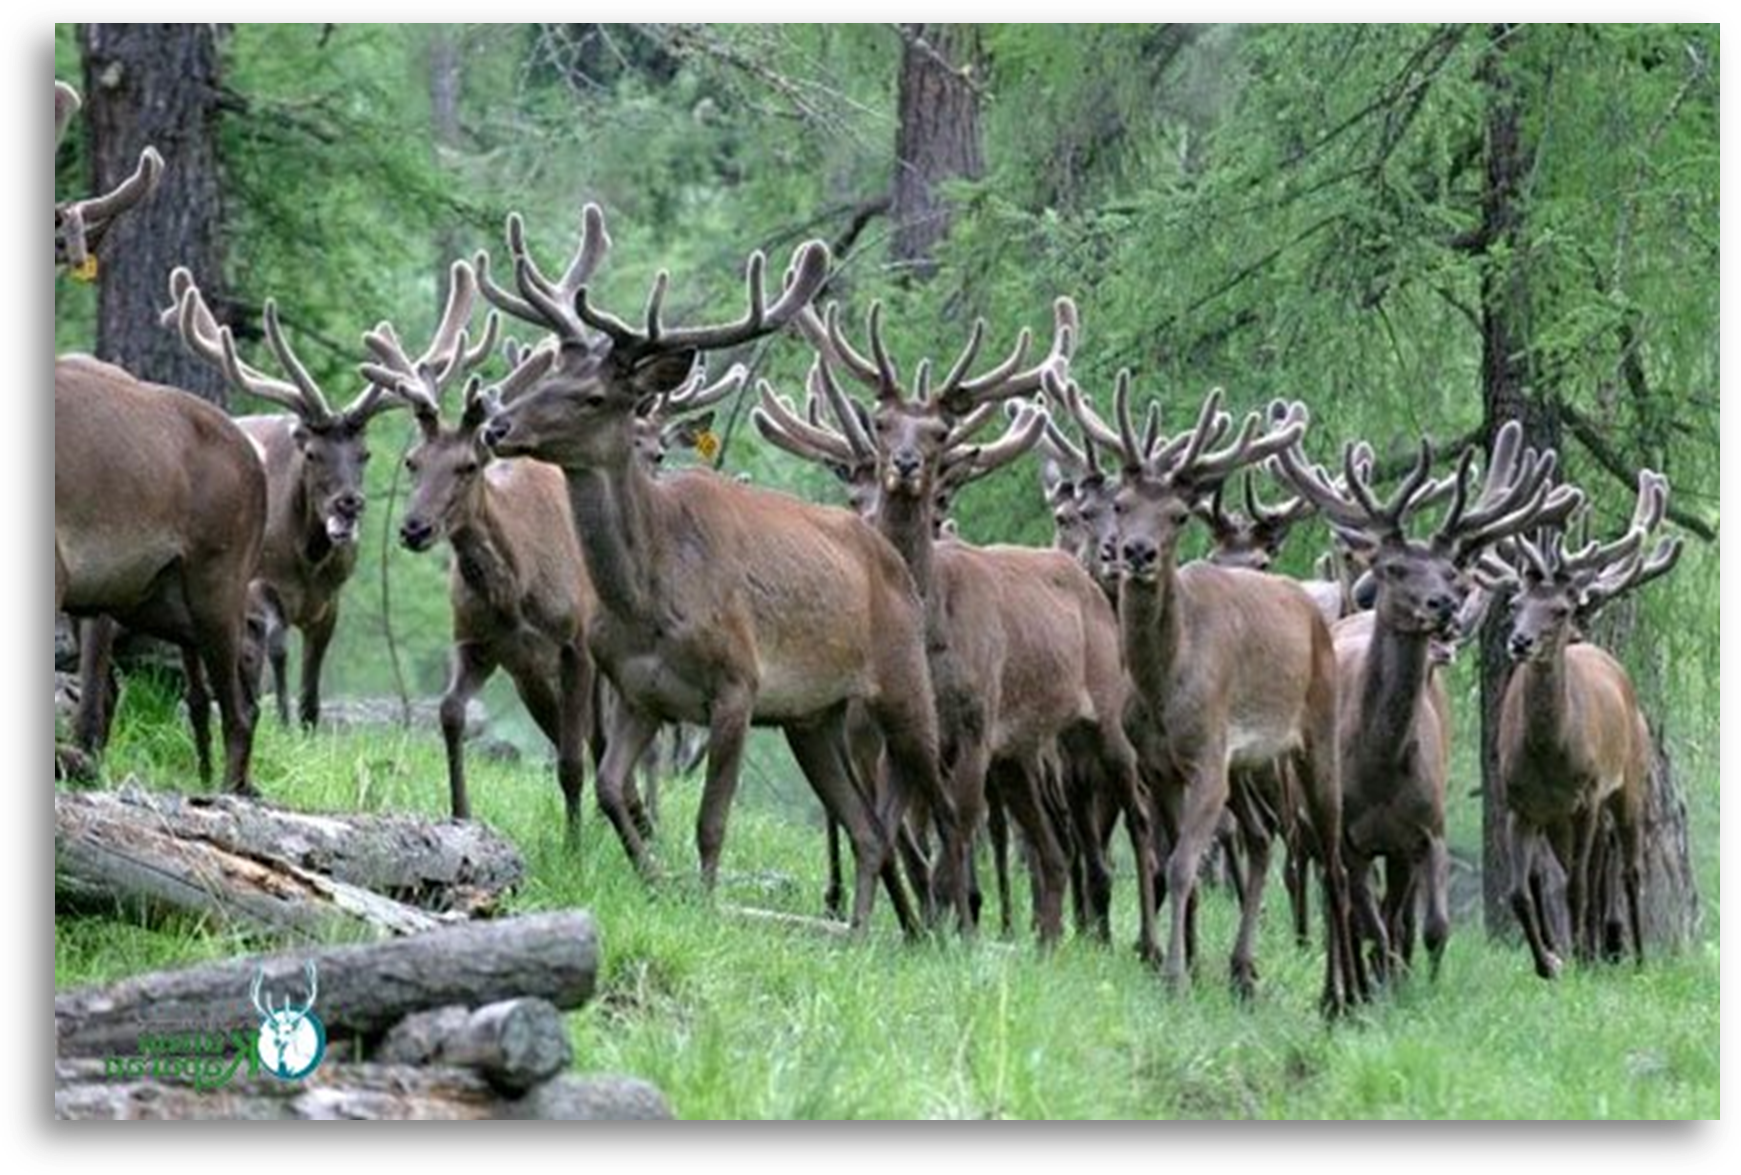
1416 229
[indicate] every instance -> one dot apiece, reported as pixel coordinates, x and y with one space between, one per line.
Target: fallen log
128 837
104 865
514 1045
363 990
368 1091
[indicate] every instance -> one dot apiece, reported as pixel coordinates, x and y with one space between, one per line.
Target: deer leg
96 646
221 651
833 895
997 830
629 731
1586 914
1257 849
1204 799
1018 784
575 706
1437 931
909 741
1400 893
1367 917
199 711
1524 842
818 748
316 638
470 667
1629 827
728 726
278 659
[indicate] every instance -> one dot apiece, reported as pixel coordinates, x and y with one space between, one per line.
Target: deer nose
415 533
496 432
906 462
1442 606
349 504
1139 554
1520 646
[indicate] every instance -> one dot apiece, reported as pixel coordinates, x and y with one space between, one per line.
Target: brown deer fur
720 603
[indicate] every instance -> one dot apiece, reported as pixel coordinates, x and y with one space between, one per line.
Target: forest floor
735 1018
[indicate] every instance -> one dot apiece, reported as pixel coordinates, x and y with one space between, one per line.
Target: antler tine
696 393
1211 426
965 427
857 438
1061 448
1251 445
958 372
129 191
1093 427
831 342
1127 434
1313 483
1647 514
804 279
201 335
560 305
66 104
776 421
318 408
526 366
971 462
1006 380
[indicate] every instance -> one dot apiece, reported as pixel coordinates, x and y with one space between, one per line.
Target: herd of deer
928 687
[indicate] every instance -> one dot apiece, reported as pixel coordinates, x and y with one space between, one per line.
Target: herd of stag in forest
929 688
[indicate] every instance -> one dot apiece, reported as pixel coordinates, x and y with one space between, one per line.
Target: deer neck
311 538
1152 623
616 518
1546 699
481 550
907 522
1391 690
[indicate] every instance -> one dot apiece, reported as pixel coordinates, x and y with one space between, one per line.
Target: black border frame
35 1141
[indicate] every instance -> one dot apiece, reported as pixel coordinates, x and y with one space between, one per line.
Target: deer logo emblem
291 1040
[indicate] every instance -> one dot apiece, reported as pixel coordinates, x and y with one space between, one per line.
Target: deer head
1557 589
1251 538
79 225
604 373
680 419
849 453
333 445
1421 585
1164 481
921 435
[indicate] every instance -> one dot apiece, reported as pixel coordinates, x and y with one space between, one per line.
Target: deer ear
664 372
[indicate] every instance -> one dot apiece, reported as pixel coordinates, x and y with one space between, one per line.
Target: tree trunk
362 991
369 1092
157 85
1508 393
937 138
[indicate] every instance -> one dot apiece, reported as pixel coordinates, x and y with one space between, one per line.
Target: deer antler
80 224
202 335
421 382
964 464
810 440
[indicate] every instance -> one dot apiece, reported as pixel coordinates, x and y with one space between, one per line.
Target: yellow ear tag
707 444
86 270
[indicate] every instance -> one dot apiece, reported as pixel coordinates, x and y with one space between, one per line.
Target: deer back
145 475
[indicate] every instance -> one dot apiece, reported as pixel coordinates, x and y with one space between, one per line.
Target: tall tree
937 136
155 84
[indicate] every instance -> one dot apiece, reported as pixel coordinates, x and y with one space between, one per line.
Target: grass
737 1019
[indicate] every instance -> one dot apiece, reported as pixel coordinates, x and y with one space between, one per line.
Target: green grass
739 1019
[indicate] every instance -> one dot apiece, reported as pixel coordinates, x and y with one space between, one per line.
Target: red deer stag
1023 648
315 458
721 603
1573 743
1394 718
1231 669
159 505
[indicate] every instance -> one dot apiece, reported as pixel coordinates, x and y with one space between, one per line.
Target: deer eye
363 457
411 464
468 469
